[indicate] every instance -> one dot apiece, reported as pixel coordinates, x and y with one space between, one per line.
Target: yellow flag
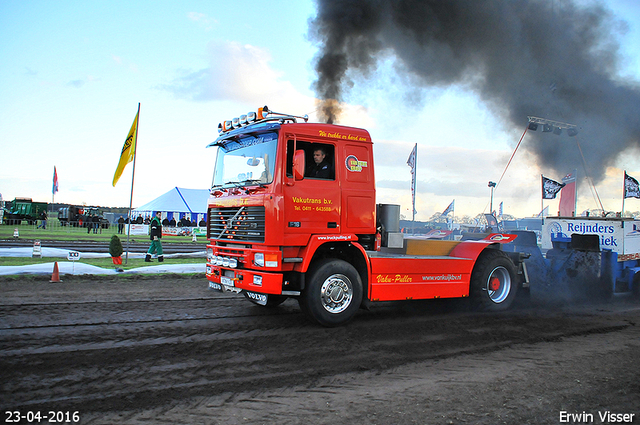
128 150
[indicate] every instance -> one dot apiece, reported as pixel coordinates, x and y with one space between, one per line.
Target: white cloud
237 72
202 19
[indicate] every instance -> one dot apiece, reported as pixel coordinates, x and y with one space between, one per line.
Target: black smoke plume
542 58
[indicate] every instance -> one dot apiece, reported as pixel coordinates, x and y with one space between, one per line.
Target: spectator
121 225
96 223
155 233
43 217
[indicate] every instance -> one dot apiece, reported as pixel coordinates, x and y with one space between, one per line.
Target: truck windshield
246 161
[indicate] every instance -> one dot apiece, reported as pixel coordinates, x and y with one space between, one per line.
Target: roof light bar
263 113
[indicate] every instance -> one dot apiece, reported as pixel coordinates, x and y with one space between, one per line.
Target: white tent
177 203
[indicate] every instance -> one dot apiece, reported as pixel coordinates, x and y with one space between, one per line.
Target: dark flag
550 188
631 187
449 208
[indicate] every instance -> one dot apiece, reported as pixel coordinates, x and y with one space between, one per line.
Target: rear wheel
635 288
333 293
494 281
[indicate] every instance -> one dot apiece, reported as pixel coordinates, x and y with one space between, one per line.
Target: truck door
358 190
312 205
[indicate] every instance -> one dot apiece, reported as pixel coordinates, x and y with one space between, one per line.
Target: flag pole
133 175
53 189
413 200
575 197
412 162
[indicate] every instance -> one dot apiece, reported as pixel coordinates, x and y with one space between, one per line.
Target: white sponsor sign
73 256
620 236
176 231
37 249
136 229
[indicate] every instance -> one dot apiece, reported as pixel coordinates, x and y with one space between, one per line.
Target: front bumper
244 279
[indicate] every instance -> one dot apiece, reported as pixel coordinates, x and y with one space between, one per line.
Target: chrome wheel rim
336 293
499 284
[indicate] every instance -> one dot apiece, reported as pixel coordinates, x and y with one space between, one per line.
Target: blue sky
72 74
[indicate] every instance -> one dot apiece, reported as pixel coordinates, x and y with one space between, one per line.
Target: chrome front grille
245 224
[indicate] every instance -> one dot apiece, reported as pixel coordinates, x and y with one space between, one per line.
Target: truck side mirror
298 165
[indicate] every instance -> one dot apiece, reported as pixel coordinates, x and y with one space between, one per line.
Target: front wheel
493 281
333 293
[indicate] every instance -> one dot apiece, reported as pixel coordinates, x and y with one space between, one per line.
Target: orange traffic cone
55 277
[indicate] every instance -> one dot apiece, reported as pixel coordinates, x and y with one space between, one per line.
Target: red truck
292 213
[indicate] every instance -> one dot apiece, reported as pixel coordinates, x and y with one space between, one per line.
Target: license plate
215 286
226 281
257 298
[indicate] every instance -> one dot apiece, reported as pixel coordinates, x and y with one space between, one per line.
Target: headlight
258 259
233 263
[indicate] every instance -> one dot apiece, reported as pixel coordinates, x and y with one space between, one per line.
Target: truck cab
292 213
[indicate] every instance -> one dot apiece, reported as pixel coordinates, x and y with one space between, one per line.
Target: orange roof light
263 112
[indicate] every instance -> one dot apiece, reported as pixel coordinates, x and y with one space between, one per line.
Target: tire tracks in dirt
133 358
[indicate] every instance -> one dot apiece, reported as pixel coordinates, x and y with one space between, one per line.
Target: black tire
333 293
635 286
494 284
272 300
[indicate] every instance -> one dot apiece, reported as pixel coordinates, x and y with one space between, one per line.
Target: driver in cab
321 168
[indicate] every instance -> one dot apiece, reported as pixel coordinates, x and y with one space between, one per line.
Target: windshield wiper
241 184
252 181
229 184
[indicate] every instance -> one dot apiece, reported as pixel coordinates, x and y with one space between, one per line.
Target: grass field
58 233
65 233
105 263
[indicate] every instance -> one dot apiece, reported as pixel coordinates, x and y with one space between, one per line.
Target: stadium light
551 125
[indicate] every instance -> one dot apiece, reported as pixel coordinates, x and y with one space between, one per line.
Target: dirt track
168 350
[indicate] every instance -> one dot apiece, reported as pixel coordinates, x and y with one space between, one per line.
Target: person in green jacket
155 234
